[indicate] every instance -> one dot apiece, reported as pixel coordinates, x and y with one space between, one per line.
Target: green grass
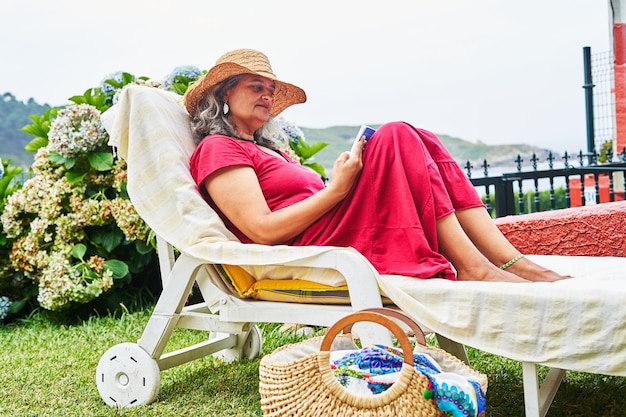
48 369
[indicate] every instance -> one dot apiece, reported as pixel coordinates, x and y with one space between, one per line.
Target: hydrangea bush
71 234
15 289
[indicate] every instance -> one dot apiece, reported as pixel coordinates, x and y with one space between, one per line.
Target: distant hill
339 139
15 114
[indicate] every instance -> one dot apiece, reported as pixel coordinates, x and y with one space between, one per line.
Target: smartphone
363 131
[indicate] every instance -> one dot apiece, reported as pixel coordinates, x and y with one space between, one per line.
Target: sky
499 72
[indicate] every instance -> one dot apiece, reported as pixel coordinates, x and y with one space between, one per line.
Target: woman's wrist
336 193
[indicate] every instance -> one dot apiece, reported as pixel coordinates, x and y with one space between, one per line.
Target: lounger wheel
127 376
248 345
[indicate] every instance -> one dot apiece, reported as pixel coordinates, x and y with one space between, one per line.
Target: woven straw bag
297 380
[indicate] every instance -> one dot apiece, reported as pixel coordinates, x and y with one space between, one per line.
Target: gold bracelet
512 261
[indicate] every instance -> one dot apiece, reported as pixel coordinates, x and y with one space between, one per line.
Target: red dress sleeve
214 153
282 180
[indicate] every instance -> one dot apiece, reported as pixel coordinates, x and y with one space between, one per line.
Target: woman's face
250 102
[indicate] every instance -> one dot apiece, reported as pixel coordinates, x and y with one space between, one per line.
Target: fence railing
584 178
581 181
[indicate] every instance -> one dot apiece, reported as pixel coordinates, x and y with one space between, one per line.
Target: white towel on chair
577 324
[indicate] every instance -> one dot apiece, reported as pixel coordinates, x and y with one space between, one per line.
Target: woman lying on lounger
402 201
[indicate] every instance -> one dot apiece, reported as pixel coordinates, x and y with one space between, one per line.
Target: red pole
619 70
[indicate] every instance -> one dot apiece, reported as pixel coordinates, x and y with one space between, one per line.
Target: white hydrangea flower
76 129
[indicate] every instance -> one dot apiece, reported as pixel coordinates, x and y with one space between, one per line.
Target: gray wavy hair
211 120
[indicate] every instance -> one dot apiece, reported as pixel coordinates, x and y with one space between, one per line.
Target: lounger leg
452 347
537 400
166 312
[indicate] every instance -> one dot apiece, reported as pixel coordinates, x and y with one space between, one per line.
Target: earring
226 108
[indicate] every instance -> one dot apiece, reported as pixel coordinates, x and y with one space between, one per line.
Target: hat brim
285 94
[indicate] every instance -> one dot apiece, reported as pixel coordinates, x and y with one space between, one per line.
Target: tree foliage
14 114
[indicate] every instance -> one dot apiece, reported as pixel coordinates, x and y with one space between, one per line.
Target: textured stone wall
598 230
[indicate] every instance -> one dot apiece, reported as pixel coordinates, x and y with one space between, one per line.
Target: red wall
598 230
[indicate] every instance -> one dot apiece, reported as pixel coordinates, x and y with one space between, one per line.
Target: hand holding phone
363 131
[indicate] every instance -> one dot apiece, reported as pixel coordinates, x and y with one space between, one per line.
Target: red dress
409 181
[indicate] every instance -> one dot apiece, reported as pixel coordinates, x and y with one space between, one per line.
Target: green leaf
34 129
317 146
179 88
142 247
78 251
10 172
39 129
317 167
93 96
74 177
113 83
56 158
307 151
16 306
88 273
127 78
82 269
4 184
124 191
78 99
101 161
35 144
108 238
117 267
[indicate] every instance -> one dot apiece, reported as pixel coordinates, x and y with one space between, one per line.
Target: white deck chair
164 194
523 322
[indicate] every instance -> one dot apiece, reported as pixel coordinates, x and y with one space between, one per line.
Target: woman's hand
346 168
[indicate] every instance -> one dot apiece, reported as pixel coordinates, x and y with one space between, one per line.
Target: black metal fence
599 83
583 180
587 178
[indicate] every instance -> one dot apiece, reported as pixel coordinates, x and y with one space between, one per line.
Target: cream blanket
577 324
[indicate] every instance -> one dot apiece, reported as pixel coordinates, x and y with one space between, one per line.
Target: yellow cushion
236 279
298 291
242 284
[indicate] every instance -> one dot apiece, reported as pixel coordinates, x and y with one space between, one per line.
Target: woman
403 202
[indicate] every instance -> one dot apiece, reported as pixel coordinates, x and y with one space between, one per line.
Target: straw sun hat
243 61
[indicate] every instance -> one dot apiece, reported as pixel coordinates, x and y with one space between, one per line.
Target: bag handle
373 317
403 317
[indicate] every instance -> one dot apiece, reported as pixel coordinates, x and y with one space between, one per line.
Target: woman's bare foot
527 269
488 272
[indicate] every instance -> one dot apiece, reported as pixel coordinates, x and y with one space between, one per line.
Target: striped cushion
243 285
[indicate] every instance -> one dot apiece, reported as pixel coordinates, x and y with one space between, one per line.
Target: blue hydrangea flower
5 303
108 88
187 72
293 132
